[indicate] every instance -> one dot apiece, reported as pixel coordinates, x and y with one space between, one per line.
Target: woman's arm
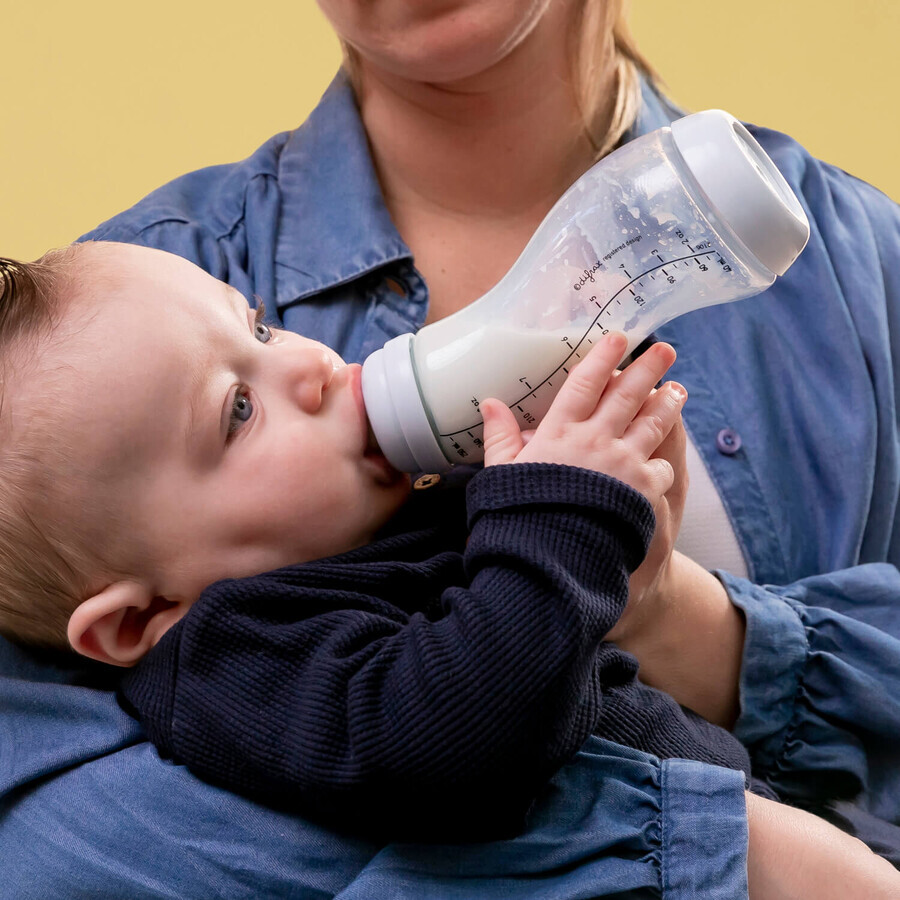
688 637
794 855
679 622
807 674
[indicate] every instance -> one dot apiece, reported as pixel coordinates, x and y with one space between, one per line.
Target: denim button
728 441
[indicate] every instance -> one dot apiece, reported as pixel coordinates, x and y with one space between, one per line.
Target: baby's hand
601 419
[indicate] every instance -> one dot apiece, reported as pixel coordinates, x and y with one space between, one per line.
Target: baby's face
229 449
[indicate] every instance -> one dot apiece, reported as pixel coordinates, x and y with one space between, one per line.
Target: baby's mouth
387 474
372 447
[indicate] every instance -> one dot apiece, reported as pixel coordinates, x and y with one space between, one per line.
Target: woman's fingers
578 397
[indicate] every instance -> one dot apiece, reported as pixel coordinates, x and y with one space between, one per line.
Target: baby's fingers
578 397
502 437
656 419
627 394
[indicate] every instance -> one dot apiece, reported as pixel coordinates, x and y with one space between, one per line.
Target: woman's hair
42 569
601 39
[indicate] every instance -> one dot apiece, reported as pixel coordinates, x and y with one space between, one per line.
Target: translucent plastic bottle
681 218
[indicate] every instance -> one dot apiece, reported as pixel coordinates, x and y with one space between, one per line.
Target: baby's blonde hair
43 567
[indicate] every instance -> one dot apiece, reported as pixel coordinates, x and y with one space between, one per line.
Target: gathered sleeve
615 822
820 686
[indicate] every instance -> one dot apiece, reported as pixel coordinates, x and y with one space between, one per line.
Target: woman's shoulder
855 228
825 188
304 202
212 197
814 180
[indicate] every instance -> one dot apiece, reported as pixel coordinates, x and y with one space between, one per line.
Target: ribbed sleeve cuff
775 651
149 689
521 484
704 831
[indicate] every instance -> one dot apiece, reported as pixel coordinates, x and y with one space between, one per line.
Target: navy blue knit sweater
420 686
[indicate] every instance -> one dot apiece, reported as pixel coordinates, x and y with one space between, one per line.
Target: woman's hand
679 622
610 422
644 588
689 640
794 855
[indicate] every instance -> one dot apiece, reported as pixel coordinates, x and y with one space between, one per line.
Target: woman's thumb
502 436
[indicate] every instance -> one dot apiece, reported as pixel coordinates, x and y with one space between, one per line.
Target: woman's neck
470 169
499 144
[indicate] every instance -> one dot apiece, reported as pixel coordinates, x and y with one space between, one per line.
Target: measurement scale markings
605 308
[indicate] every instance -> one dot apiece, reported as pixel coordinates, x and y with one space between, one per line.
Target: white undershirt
706 534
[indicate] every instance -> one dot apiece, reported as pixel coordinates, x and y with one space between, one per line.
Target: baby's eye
241 410
261 331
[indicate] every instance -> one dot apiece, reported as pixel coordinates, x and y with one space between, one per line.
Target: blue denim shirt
803 373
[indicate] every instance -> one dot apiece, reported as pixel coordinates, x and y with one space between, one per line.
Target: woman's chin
456 47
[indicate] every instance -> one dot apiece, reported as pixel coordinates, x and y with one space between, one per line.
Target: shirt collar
334 226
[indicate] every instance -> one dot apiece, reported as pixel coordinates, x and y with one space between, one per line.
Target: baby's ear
122 623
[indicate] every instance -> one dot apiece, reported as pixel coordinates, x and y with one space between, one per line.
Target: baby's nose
312 369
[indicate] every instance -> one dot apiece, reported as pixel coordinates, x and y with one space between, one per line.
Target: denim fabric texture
804 373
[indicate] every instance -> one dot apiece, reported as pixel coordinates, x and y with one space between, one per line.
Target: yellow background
102 101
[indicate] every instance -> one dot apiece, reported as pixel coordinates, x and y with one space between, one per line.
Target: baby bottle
681 218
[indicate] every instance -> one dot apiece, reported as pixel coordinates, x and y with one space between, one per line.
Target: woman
371 220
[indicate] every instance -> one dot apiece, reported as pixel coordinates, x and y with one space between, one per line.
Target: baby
409 666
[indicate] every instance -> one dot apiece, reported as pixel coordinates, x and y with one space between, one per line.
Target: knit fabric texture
424 687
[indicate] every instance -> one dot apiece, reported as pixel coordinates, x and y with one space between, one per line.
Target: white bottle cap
396 411
743 186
